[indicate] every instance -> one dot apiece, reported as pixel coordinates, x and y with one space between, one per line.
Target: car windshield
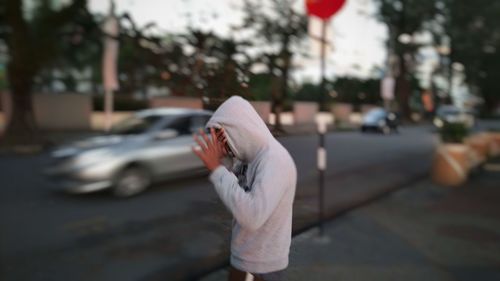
448 111
376 114
135 125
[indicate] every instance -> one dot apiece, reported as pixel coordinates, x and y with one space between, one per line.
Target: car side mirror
165 134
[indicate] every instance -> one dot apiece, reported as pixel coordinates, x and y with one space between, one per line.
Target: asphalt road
177 229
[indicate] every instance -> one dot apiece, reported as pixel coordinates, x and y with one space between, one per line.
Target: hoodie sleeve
250 209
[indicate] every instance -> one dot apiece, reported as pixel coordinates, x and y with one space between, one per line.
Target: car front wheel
131 181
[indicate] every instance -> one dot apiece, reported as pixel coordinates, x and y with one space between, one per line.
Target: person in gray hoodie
258 188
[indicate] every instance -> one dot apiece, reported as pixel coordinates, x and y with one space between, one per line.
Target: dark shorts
238 275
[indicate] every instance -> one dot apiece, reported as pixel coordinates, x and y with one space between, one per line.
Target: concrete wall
342 112
304 112
62 111
98 118
186 102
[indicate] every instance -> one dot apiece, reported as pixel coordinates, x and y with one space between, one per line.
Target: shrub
453 132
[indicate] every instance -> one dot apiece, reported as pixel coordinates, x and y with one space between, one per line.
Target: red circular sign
324 9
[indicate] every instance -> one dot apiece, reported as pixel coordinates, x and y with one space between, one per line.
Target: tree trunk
275 93
278 109
280 95
403 89
21 129
21 69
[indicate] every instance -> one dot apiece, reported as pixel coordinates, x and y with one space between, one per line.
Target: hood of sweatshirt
246 132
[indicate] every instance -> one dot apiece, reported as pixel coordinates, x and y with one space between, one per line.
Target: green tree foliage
308 92
218 68
472 27
346 90
260 86
32 44
404 17
281 28
453 132
357 91
140 58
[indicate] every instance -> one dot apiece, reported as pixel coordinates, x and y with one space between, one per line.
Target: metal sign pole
321 134
323 9
321 176
323 63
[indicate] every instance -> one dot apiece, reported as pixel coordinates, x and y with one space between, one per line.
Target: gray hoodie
261 196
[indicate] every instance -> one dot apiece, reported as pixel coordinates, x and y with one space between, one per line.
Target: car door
174 156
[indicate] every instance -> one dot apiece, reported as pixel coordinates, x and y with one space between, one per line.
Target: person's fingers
224 147
202 145
220 133
216 143
198 152
222 137
224 140
224 143
205 138
214 136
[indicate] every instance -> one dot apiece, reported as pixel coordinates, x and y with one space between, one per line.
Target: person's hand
211 150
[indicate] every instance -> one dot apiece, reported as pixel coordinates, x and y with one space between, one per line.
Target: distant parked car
150 146
453 114
380 120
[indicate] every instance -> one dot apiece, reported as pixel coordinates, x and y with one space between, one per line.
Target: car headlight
438 122
92 156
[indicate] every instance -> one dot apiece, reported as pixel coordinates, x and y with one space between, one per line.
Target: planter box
185 102
305 112
342 112
480 145
263 108
62 111
494 149
451 164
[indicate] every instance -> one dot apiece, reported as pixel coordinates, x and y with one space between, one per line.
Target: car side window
198 122
181 125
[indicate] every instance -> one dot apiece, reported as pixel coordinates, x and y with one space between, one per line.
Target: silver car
150 146
452 114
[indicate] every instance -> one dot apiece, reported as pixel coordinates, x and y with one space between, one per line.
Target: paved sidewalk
421 232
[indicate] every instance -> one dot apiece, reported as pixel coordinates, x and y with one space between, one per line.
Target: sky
358 38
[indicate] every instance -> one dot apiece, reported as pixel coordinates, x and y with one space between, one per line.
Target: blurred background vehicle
380 120
452 114
150 146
